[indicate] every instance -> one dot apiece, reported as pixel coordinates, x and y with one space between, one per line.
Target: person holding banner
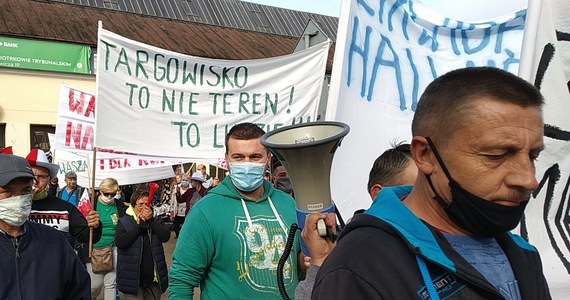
56 212
71 192
37 261
476 134
232 239
104 254
207 183
196 191
179 207
141 264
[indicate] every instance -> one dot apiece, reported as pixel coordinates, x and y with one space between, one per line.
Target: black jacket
65 217
43 266
133 243
380 255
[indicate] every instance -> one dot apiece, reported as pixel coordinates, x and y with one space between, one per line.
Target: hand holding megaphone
319 248
306 151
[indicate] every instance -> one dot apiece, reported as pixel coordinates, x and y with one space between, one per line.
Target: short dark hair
448 101
244 131
139 193
389 166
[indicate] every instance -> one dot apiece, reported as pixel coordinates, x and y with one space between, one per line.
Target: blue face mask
247 176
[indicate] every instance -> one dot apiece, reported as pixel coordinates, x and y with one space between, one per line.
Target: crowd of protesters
470 163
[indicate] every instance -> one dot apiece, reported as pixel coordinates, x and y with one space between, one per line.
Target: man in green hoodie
232 239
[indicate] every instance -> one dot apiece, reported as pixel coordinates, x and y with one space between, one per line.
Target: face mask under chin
472 213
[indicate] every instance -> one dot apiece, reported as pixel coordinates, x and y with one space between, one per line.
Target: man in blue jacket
37 261
476 133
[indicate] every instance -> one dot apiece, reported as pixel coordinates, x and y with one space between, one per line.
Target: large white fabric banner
152 101
545 62
127 170
74 130
388 51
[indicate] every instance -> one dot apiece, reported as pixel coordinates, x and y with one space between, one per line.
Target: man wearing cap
72 191
194 193
207 178
37 262
55 212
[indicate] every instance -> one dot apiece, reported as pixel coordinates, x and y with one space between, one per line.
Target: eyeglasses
109 194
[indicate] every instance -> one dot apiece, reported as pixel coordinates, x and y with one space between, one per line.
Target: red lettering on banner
80 139
119 164
144 162
90 108
101 164
75 105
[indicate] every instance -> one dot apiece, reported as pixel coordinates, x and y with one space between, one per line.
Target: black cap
12 167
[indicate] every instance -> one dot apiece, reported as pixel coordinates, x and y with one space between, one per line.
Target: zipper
153 260
16 243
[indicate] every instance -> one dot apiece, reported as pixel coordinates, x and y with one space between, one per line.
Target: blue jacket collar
389 208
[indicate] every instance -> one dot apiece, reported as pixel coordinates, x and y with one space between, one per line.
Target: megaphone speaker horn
306 151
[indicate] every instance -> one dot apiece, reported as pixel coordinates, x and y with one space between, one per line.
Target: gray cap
70 174
197 176
12 167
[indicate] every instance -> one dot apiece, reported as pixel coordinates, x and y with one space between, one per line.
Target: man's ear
422 155
374 190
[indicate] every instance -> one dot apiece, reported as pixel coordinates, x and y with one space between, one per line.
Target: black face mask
284 184
475 214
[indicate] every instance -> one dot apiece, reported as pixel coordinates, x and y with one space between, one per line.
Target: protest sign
75 120
388 51
127 169
156 102
545 62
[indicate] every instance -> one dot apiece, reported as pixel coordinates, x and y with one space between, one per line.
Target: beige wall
31 97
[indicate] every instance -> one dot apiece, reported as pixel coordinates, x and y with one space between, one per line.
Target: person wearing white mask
233 237
179 208
37 261
56 212
102 270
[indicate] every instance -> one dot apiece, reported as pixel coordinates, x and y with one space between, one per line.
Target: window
2 135
39 136
113 4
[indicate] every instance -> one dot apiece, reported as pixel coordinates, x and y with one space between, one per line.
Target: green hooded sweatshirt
226 256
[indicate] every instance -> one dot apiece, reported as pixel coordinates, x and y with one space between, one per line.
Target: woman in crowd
103 260
141 266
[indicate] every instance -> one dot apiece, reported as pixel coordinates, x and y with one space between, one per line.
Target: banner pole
92 198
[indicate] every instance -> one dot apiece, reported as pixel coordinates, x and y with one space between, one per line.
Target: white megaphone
306 151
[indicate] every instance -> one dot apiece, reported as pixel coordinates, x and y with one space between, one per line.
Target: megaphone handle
321 228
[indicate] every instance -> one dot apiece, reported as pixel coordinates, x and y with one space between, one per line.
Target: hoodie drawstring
248 217
427 278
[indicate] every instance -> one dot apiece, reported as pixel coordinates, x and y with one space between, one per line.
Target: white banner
75 120
388 51
385 57
545 62
152 101
127 170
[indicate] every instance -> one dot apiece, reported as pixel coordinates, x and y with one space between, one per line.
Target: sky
323 7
